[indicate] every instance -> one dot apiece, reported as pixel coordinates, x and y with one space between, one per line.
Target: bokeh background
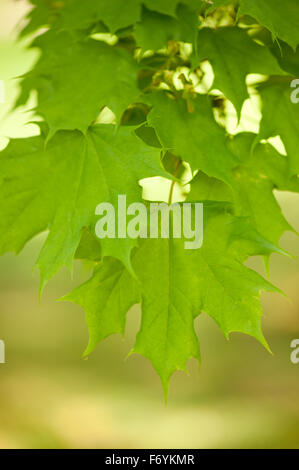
51 398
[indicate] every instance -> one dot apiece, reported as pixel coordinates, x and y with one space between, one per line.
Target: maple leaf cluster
145 61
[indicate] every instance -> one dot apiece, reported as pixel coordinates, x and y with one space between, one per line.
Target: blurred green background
51 398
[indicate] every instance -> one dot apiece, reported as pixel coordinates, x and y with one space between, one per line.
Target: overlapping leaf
115 14
76 79
193 136
258 173
75 14
281 117
60 186
281 18
183 28
288 58
211 279
233 56
106 299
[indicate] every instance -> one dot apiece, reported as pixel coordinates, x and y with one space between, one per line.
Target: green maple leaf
258 173
281 18
287 58
106 299
78 14
76 79
281 117
89 247
169 305
234 55
193 136
115 14
207 188
211 279
182 28
169 7
62 184
40 15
